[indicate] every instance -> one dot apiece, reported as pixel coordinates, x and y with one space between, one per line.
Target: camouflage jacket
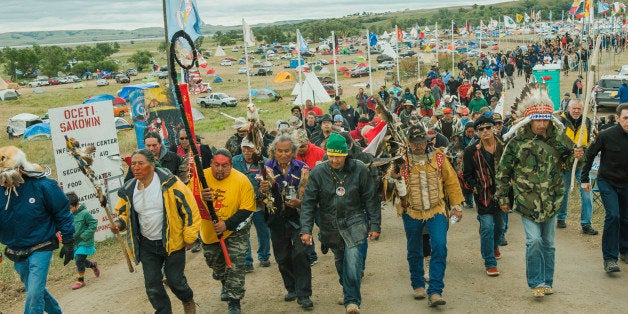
531 166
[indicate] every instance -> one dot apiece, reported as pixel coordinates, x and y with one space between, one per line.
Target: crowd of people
430 149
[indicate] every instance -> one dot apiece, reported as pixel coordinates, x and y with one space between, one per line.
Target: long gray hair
284 137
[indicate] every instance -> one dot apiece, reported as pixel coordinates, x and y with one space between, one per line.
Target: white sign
90 124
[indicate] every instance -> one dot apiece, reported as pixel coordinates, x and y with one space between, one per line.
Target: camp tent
97 98
39 131
39 90
220 52
125 92
294 63
197 114
312 89
19 123
324 71
3 84
9 94
122 124
282 77
218 79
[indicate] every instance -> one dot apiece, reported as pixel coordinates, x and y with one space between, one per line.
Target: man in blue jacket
34 208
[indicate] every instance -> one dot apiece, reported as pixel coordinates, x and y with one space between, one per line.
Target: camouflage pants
232 278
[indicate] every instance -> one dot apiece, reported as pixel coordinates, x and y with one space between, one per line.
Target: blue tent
97 98
294 63
125 92
218 79
37 131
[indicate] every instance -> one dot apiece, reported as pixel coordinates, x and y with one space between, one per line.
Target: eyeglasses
183 138
464 115
485 128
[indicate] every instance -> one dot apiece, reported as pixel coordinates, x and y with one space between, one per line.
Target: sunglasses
485 128
183 138
464 115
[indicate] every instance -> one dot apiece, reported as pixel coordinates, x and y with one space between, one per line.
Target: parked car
407 53
386 65
39 82
53 81
243 70
235 49
264 72
381 58
162 75
358 72
63 80
226 62
217 100
102 82
331 91
120 110
131 72
606 89
122 79
307 54
73 79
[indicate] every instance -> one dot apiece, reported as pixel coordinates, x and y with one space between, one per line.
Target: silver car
606 90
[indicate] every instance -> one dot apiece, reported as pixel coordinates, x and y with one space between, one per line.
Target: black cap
417 134
337 98
326 117
484 119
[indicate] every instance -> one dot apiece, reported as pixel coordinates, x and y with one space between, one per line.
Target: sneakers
611 266
197 246
265 263
538 292
624 257
305 303
189 307
419 293
95 269
504 242
248 268
291 296
234 307
78 285
435 300
587 229
561 224
498 254
492 271
353 309
313 261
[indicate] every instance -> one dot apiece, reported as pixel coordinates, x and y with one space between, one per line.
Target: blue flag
372 39
302 44
183 15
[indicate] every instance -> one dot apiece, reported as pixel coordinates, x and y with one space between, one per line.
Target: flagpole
246 58
396 48
437 46
333 49
167 39
300 65
368 53
452 47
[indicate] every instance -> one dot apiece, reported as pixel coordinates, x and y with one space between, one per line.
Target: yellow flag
519 18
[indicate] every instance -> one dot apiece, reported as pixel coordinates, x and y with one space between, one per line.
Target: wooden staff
587 101
84 166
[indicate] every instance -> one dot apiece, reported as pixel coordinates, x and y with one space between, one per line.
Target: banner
519 18
399 35
249 39
154 110
303 46
90 124
183 15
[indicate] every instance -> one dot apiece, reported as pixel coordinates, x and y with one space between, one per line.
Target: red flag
336 43
399 35
467 26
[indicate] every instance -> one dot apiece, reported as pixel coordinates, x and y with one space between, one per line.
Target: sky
42 15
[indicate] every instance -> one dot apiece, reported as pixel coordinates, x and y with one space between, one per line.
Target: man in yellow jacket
233 199
162 219
573 121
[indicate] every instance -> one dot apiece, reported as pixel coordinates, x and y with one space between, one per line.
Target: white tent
388 50
324 71
20 122
311 89
220 52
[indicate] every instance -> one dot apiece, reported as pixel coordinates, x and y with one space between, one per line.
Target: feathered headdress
534 103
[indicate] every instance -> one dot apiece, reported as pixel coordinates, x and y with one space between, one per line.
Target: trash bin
549 74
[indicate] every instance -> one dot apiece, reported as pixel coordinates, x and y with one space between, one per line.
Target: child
85 227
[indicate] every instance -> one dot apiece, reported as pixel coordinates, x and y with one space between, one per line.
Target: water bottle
453 219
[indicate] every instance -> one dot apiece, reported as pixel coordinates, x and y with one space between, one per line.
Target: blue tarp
218 79
39 130
126 90
294 63
101 97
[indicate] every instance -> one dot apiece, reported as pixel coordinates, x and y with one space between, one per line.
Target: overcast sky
38 15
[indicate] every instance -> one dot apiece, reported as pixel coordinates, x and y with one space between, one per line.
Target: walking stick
587 101
84 163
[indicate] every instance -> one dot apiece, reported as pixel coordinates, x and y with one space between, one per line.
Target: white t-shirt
149 206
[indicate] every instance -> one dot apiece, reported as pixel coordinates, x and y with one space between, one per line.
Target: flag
537 16
372 39
335 43
183 15
301 42
509 23
532 15
577 8
526 17
602 7
587 7
562 16
493 24
549 17
455 28
399 34
482 26
467 27
249 39
422 33
519 18
374 138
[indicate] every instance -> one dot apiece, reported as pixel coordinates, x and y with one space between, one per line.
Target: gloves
67 252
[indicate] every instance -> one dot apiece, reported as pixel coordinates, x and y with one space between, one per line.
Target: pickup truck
217 100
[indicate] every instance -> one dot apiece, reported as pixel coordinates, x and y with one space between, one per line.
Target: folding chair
595 194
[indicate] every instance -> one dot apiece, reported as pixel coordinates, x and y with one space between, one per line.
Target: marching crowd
441 145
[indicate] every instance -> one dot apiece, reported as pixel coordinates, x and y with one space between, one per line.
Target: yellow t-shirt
232 193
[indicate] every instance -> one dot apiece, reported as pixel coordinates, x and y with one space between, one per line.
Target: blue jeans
505 217
364 248
154 258
263 239
587 204
349 264
437 228
491 231
468 198
33 273
615 235
540 252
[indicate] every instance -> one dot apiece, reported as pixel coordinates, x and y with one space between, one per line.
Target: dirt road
581 284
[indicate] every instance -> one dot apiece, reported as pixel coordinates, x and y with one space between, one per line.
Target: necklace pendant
340 191
422 162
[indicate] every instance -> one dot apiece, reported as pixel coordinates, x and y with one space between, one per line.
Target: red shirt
317 111
313 155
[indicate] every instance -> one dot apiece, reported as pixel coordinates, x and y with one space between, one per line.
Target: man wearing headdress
531 166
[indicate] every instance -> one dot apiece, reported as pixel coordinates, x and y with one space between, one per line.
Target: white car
226 63
235 49
217 100
102 82
623 70
243 70
386 65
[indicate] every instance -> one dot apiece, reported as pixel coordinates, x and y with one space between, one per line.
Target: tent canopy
282 77
39 131
311 89
122 124
125 92
97 98
218 79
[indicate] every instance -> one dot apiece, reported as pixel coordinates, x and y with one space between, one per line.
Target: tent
39 90
282 77
311 89
122 124
220 52
19 123
265 93
39 131
125 92
119 101
197 114
3 84
343 69
9 94
218 79
324 71
101 97
294 63
360 59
